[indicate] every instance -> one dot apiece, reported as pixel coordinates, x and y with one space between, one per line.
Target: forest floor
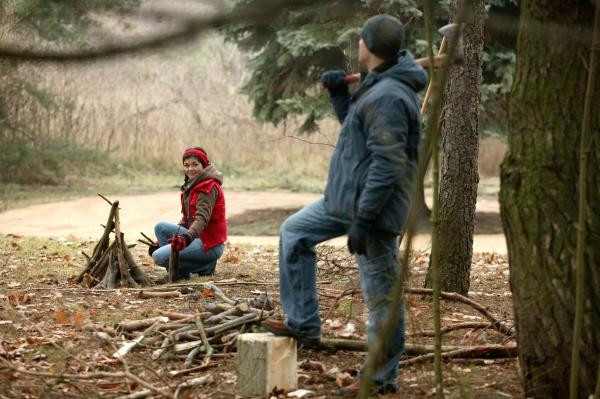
48 324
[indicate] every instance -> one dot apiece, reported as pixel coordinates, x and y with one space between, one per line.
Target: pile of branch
111 264
211 332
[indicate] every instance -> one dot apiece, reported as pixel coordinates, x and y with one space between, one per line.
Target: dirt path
82 217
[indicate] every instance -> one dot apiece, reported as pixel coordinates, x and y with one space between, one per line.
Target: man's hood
406 70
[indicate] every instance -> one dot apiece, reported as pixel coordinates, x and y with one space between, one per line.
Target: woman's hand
178 243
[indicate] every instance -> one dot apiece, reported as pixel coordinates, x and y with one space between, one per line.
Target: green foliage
24 162
64 20
297 46
291 52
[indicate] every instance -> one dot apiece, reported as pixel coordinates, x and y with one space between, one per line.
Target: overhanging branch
187 30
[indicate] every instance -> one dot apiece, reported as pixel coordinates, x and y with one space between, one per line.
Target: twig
207 347
129 345
205 379
453 296
105 199
89 376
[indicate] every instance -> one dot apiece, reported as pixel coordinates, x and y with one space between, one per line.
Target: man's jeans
378 272
193 259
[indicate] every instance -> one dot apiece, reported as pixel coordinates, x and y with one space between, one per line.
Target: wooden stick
361 346
179 373
164 346
173 265
247 318
475 325
137 273
133 325
205 379
453 296
478 352
219 294
129 345
150 240
209 350
126 280
100 245
159 294
237 310
181 316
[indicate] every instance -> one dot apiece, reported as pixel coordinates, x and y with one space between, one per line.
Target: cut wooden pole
173 265
265 362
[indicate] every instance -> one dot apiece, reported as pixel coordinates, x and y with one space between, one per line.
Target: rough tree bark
538 196
460 141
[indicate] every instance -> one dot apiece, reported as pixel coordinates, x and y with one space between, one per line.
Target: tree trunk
460 141
538 196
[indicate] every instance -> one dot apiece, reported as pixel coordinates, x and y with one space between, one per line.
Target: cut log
265 362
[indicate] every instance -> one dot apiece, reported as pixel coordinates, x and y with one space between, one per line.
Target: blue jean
193 259
299 235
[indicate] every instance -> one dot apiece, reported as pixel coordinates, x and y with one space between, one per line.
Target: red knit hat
200 154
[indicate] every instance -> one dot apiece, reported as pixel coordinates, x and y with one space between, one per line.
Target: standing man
367 195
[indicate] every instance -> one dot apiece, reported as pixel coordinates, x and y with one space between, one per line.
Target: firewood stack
111 264
211 331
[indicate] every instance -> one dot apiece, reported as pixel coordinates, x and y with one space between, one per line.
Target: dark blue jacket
374 162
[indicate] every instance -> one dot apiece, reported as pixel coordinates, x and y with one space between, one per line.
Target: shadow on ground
267 221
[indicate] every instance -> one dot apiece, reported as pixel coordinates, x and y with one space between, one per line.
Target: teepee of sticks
111 264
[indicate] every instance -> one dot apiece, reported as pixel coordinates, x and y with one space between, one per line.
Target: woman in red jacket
200 235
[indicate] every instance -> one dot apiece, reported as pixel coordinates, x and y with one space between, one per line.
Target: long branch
188 28
453 296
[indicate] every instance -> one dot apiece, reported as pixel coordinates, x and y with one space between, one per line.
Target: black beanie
383 35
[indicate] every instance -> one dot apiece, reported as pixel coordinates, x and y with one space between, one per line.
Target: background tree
48 23
538 195
460 142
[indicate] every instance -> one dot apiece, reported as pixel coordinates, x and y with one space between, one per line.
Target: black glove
152 248
335 83
357 236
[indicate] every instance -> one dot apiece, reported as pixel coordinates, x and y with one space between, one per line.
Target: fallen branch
452 296
133 325
159 294
219 294
129 345
460 326
205 379
477 352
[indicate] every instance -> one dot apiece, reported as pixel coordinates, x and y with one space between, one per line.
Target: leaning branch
187 30
453 296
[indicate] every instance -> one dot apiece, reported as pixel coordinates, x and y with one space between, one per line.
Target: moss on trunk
538 196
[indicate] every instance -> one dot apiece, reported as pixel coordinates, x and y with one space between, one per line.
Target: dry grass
145 109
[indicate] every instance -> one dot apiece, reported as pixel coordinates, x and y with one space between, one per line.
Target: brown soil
45 317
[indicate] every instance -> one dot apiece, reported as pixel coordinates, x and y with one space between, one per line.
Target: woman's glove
153 248
335 83
178 243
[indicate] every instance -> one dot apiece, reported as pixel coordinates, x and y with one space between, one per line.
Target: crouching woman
200 235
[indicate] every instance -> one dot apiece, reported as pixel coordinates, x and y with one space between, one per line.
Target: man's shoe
353 389
278 328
